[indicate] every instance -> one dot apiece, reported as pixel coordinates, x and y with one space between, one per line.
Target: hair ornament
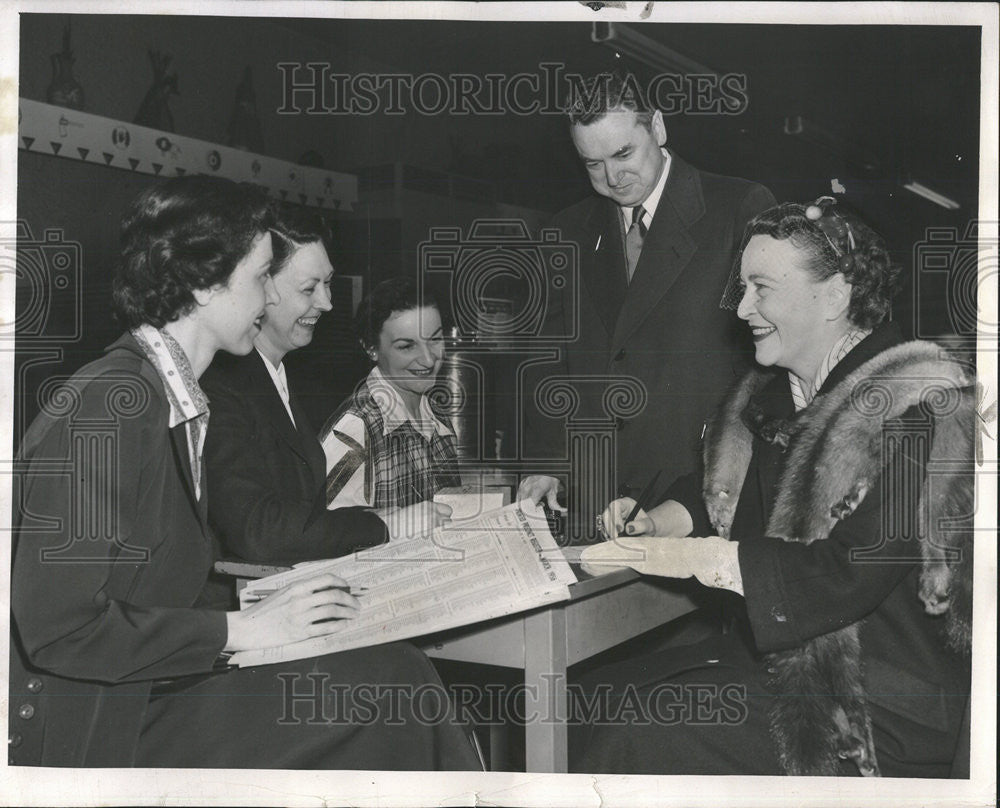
835 227
814 212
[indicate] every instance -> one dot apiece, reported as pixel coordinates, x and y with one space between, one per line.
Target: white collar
277 373
651 202
280 380
394 412
184 395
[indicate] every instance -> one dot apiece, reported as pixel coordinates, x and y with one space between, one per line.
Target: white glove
714 561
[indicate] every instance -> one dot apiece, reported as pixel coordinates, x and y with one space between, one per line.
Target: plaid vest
402 468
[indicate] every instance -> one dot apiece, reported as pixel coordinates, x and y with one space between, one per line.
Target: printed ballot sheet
471 501
501 563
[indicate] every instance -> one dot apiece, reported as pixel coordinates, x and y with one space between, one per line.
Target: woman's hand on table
310 608
416 520
538 487
714 561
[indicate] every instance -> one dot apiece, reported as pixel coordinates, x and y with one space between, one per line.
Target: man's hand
309 608
538 487
714 561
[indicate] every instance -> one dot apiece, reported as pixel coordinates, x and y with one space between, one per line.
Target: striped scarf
801 395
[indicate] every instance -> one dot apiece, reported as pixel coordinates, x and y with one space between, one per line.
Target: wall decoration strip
47 129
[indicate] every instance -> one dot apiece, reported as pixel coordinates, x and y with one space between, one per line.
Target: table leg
546 706
499 738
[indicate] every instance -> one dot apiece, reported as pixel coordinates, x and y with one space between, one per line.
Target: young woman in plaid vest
386 447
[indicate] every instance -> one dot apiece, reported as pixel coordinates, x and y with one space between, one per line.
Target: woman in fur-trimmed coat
829 477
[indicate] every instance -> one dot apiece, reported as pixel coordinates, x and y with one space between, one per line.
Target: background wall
210 54
377 240
889 102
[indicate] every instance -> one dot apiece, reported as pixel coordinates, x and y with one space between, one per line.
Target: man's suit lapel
602 262
666 250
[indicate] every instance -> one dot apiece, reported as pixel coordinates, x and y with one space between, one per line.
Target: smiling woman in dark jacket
263 459
819 507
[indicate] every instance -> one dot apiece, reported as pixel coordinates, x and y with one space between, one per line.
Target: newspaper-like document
470 501
501 563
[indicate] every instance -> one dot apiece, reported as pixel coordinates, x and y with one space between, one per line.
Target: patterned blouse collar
184 394
394 412
802 395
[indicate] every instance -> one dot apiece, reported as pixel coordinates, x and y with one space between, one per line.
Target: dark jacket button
26 711
15 740
35 685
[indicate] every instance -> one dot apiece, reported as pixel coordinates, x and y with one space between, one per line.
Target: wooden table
602 612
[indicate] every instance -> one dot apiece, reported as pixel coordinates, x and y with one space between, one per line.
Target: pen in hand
260 594
640 503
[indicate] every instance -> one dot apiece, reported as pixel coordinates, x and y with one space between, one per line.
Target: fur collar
834 457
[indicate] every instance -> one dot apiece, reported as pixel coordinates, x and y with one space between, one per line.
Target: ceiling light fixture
938 199
625 39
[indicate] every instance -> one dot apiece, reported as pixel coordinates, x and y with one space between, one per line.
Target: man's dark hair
296 227
591 99
388 298
184 234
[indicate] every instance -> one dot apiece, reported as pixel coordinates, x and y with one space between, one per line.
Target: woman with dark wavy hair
386 447
120 661
834 476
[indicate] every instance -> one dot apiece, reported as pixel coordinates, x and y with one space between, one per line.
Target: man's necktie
633 239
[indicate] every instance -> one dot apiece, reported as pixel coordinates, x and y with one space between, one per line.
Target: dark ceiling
891 102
